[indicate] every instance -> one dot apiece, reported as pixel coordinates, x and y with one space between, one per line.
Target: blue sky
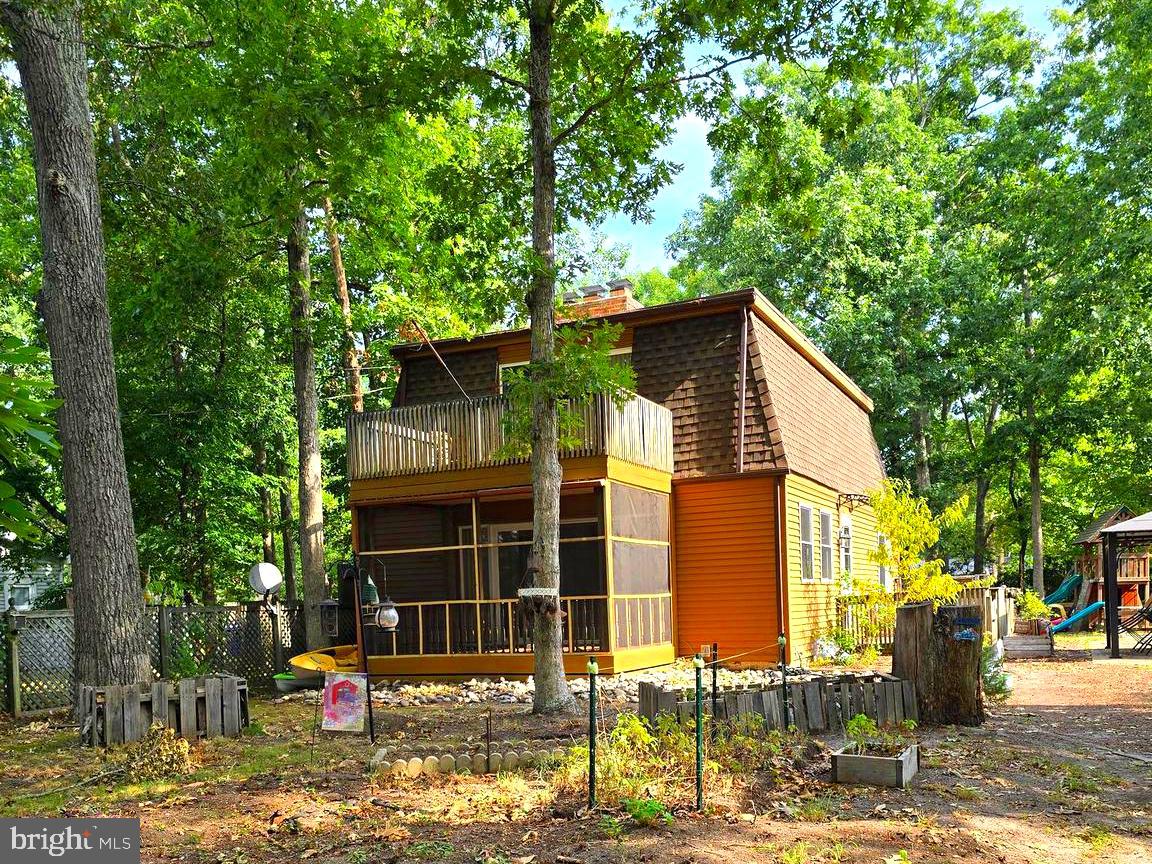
689 147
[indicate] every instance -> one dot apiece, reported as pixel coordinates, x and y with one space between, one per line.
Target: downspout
781 572
743 389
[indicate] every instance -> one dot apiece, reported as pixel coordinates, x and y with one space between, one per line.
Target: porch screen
414 526
639 513
639 568
427 551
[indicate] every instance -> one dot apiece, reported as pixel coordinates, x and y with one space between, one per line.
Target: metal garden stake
783 643
715 688
699 663
593 671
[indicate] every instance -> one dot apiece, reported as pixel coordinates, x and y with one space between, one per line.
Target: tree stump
940 654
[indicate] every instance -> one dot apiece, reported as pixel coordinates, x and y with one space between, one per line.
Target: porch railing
452 436
447 627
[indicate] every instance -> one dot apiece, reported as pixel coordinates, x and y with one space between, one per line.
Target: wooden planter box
893 771
1032 627
208 707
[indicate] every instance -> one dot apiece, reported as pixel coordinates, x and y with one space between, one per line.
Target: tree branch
591 110
498 76
48 507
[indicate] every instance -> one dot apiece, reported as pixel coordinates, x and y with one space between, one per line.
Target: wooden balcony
460 436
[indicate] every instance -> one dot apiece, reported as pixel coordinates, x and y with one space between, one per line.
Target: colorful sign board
345 701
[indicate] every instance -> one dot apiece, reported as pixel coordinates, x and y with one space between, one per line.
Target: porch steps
1027 647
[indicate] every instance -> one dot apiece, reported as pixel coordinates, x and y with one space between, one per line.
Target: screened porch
453 568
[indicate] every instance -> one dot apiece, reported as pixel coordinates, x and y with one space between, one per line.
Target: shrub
636 761
647 812
1030 606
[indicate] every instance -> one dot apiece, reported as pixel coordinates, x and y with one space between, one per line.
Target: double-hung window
846 548
806 545
826 541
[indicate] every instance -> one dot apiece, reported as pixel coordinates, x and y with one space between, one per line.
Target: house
726 502
20 587
1132 566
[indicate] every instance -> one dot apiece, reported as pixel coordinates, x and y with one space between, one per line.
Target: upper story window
505 371
826 541
21 596
621 355
806 547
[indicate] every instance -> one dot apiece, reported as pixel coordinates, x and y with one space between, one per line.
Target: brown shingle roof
826 435
1092 533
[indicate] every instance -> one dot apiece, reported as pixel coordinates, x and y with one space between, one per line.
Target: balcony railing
454 436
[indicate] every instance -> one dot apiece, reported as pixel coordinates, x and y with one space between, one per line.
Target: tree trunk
551 693
308 431
1033 444
1037 524
351 356
267 520
111 645
940 654
286 541
920 445
983 484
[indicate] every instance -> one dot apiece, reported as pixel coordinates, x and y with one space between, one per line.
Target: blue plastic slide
1083 613
1066 591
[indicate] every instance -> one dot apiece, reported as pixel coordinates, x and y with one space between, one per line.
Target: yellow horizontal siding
812 605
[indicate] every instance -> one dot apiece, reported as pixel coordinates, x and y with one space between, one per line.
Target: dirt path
1057 775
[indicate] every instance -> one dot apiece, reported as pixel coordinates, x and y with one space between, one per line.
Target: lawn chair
1140 616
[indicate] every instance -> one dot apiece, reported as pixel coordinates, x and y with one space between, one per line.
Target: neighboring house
725 503
23 586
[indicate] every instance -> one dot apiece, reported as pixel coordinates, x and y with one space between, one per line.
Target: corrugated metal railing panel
453 436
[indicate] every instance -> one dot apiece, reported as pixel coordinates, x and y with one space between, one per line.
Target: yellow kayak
313 664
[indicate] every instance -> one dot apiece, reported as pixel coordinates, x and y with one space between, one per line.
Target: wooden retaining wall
209 707
816 705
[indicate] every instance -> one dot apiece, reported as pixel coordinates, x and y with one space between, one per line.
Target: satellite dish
264 578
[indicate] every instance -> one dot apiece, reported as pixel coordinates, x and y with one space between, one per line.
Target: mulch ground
1063 772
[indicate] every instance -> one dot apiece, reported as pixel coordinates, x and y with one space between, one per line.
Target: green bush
647 812
1030 606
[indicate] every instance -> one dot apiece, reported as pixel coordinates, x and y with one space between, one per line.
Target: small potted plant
888 757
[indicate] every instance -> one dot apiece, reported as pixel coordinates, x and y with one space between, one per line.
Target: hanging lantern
387 618
330 617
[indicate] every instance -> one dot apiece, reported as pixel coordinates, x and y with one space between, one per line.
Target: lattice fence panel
152 627
5 702
233 639
200 640
46 641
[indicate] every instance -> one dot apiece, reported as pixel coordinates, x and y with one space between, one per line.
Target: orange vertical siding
725 554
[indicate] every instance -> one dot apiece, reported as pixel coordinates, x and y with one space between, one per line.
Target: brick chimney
594 301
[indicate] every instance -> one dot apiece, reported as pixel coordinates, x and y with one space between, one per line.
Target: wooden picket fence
819 704
868 626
